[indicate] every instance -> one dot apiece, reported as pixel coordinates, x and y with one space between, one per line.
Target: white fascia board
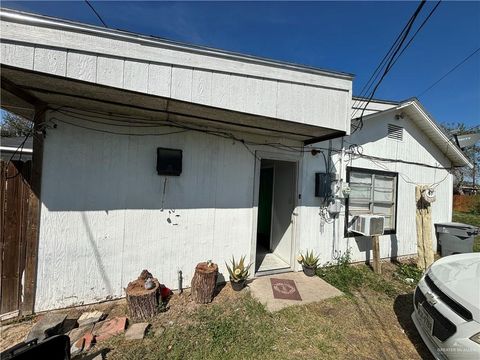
13 16
13 149
451 151
442 137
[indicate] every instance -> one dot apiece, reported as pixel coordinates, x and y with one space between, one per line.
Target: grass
217 331
471 219
372 321
348 278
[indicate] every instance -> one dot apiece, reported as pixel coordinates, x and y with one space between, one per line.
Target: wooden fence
18 214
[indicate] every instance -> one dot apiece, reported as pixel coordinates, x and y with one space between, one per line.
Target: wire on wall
129 122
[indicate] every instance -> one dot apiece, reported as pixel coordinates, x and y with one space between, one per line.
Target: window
372 192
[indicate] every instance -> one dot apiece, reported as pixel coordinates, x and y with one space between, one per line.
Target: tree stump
142 303
204 282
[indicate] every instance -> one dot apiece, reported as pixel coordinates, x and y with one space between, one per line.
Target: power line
96 13
393 58
449 72
418 30
376 72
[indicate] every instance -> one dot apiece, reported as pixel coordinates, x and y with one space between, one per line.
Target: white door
282 209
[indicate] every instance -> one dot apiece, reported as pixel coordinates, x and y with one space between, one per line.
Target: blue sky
345 36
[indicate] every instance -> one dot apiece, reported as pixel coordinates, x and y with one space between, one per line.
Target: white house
158 155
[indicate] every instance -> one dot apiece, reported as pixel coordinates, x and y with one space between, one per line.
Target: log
204 282
142 303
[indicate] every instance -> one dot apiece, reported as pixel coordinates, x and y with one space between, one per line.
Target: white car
447 307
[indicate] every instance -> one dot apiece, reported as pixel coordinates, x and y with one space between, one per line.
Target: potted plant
238 273
309 263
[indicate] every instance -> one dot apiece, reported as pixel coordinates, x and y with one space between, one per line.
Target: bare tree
15 125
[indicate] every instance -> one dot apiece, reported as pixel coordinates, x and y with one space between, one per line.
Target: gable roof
425 122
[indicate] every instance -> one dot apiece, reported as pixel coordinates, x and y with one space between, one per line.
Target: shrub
409 271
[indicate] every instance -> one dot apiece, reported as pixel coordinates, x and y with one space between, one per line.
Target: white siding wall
415 147
207 78
102 221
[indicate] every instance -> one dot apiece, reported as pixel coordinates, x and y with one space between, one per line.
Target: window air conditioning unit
369 225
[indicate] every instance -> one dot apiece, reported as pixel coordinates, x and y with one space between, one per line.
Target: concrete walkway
311 289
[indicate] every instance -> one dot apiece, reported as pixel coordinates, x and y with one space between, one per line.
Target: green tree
465 175
15 125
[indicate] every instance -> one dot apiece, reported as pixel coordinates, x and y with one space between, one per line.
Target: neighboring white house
116 108
10 148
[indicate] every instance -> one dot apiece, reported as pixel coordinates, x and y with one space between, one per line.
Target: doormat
285 289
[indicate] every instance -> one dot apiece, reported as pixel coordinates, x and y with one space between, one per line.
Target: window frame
351 169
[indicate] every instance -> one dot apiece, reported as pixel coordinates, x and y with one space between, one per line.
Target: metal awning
21 89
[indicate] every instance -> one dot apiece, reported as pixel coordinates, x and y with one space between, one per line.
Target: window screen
372 192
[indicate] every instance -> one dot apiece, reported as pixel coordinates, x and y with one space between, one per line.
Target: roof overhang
23 90
425 122
67 25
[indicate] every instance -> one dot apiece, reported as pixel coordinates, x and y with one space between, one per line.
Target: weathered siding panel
182 83
82 66
105 217
415 147
159 80
168 53
17 55
50 61
202 87
135 76
104 206
204 77
110 71
220 90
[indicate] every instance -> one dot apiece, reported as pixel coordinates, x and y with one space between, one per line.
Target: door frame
279 156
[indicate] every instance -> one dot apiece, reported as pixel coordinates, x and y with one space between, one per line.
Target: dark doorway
265 197
276 202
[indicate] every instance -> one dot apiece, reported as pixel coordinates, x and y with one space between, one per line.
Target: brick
79 332
89 341
83 343
90 317
77 346
106 329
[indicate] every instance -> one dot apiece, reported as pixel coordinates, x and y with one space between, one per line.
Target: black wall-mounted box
323 185
169 161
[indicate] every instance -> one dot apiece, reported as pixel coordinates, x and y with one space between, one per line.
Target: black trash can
455 238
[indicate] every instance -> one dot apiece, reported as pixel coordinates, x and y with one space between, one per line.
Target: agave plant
238 271
309 259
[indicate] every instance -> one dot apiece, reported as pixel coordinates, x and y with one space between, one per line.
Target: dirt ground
368 325
15 331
